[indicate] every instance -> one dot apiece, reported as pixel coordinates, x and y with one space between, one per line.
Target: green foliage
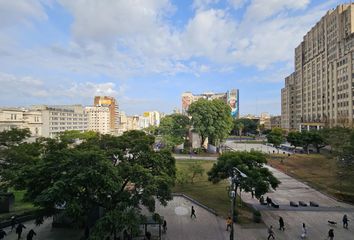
295 139
211 119
118 174
337 137
174 129
70 136
195 169
13 136
258 178
245 126
182 176
276 137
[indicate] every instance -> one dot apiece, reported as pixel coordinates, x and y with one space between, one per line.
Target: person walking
345 221
228 223
30 234
281 224
2 234
164 226
331 234
269 201
270 232
19 230
193 212
13 222
304 231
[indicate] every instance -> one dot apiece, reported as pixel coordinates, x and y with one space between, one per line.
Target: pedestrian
2 234
19 230
228 223
148 235
13 223
270 232
281 224
331 234
304 231
30 234
345 221
269 201
164 226
193 212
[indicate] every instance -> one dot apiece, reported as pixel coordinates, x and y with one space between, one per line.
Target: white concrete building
57 119
99 119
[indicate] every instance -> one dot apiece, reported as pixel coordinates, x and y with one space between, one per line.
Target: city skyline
146 55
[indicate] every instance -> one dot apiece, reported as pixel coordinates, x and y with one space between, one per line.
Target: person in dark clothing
269 201
345 221
270 232
164 226
2 234
193 212
30 234
281 224
13 222
19 230
331 234
148 235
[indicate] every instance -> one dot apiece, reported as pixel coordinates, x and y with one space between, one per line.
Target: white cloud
236 4
20 11
203 4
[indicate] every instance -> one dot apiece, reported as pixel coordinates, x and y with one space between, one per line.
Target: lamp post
235 178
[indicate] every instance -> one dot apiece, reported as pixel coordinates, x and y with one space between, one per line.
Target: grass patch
212 195
20 206
319 171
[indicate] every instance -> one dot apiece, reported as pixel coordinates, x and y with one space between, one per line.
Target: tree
118 174
252 163
248 126
174 129
295 139
337 137
306 140
275 137
211 119
13 136
195 169
317 140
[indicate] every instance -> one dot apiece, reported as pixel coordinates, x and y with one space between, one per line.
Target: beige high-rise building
112 104
99 119
320 91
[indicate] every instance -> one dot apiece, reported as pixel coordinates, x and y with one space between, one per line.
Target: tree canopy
211 119
174 129
245 126
118 174
275 137
259 178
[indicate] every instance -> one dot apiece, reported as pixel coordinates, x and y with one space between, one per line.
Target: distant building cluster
265 120
103 117
320 91
230 97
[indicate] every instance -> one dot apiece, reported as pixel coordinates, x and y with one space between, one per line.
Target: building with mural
230 97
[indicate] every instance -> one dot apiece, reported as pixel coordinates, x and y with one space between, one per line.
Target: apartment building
99 119
111 103
319 92
57 119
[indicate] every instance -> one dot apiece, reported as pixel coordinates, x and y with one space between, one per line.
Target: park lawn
20 206
214 196
319 171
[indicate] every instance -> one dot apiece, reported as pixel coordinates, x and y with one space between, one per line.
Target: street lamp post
235 177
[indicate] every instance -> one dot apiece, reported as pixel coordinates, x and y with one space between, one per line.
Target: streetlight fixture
235 178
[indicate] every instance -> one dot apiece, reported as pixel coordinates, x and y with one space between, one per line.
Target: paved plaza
253 146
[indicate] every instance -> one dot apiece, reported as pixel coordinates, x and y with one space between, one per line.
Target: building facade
319 92
57 119
230 97
111 103
99 119
21 118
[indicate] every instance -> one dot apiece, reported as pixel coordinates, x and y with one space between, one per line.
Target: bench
274 204
293 204
302 204
314 204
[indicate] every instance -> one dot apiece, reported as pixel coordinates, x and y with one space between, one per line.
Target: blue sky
147 52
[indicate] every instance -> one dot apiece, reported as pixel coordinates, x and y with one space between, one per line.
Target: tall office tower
57 119
230 97
319 93
112 104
